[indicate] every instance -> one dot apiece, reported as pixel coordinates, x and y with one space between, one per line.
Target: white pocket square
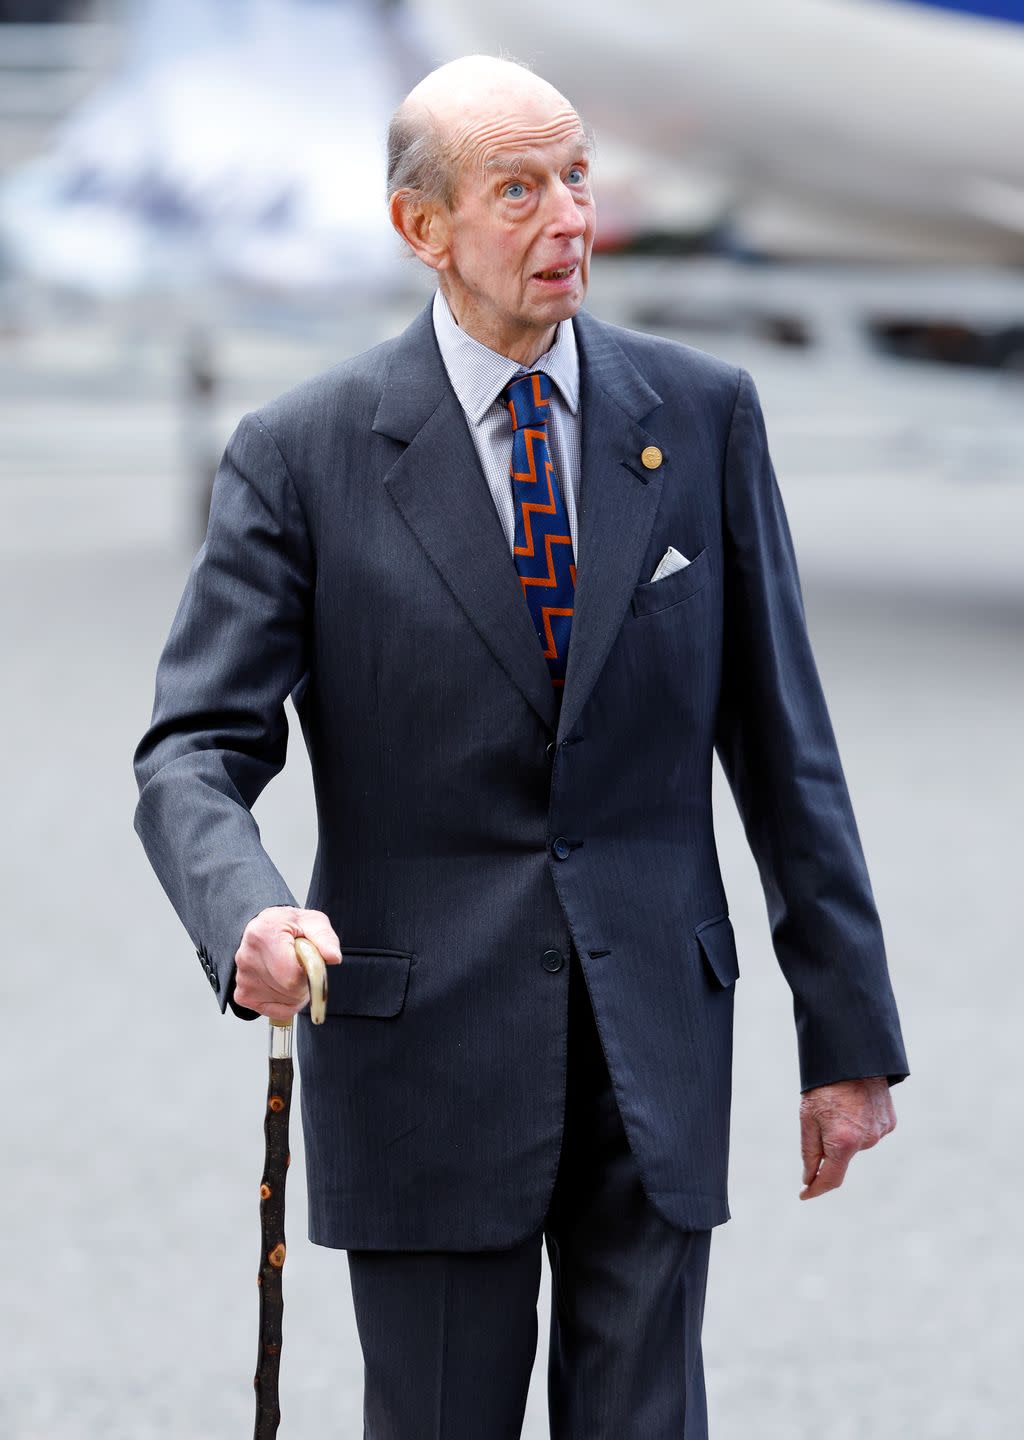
670 562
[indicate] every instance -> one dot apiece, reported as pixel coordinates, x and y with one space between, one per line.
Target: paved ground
888 1310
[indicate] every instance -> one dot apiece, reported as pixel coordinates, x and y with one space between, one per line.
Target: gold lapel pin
650 457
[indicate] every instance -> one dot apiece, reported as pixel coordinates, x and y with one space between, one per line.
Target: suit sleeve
237 647
777 747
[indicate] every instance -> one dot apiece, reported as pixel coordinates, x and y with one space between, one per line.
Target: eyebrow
579 145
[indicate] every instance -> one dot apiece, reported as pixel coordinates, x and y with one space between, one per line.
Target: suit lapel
618 502
442 493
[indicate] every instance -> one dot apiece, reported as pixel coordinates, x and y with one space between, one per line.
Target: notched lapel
442 493
617 507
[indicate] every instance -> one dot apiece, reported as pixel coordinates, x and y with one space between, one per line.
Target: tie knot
527 399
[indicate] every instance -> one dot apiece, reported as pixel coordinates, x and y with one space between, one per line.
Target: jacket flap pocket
368 981
654 595
719 945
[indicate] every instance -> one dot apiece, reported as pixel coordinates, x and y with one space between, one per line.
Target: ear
424 225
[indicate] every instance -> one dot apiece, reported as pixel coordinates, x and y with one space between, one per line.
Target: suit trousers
449 1337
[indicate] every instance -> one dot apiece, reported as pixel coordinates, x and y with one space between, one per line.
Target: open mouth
562 273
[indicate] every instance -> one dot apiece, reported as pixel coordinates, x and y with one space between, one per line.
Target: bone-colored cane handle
312 962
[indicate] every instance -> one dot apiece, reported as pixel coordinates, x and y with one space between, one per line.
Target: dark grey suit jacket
355 560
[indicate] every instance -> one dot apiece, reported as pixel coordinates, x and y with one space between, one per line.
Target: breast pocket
655 595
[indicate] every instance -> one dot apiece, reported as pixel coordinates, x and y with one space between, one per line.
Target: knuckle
262 926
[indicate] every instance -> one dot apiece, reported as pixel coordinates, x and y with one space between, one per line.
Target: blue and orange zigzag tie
543 545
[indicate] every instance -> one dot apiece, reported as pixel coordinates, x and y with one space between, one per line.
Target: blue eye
515 185
576 170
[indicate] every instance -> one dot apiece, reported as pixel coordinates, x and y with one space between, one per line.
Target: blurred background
828 192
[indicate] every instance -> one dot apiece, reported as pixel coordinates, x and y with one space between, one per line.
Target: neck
524 345
525 351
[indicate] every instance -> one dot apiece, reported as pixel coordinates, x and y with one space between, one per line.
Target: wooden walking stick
272 1252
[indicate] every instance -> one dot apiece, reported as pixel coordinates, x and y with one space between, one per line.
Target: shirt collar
479 374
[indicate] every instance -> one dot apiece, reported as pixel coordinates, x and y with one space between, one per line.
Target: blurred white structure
880 129
241 142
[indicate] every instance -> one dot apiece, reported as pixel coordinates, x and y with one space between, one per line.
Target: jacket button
561 848
552 960
551 747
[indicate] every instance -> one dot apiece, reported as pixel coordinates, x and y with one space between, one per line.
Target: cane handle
312 962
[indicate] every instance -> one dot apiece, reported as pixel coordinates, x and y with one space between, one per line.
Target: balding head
489 185
431 135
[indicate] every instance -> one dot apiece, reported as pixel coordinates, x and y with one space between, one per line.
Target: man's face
522 226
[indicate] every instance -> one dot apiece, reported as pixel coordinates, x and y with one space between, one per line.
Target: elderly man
522 572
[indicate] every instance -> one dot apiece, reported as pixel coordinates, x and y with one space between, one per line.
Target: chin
563 307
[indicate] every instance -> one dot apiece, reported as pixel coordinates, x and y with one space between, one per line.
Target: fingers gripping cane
272 1253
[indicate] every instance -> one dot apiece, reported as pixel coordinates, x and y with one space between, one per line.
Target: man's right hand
269 978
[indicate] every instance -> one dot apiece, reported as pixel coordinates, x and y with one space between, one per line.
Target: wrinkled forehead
497 142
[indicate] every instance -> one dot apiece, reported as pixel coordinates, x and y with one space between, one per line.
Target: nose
566 216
